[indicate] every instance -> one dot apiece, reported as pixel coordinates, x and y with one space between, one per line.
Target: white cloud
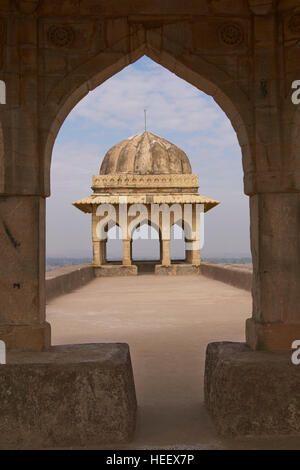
73 164
171 103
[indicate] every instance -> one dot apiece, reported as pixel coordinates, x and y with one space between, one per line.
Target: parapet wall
235 275
63 280
60 281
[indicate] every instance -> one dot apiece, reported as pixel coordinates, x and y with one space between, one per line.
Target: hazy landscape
54 263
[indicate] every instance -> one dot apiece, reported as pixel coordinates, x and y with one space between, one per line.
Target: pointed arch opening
114 245
145 243
177 244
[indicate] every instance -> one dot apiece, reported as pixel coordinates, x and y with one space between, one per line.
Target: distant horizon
145 259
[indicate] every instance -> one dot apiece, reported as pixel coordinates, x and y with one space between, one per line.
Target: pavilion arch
151 226
193 69
116 227
187 231
173 241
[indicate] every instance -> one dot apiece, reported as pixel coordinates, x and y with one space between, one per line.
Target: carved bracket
262 7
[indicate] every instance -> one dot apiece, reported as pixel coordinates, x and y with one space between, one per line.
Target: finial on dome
145 112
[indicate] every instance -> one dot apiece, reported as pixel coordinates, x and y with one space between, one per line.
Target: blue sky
177 112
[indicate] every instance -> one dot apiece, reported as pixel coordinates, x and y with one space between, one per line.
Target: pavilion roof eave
86 205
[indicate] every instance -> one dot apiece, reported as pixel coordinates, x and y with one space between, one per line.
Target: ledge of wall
63 280
235 275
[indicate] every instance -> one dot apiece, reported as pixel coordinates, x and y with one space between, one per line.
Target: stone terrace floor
167 321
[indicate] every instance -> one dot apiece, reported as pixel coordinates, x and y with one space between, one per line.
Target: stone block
26 337
71 395
271 336
176 270
252 393
115 270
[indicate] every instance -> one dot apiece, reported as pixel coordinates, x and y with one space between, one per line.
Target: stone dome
145 154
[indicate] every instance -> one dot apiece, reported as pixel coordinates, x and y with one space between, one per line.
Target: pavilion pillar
192 242
99 246
275 245
22 273
193 253
99 252
165 253
127 258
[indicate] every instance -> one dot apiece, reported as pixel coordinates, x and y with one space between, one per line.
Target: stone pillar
99 252
165 253
127 252
275 245
193 254
192 242
99 246
22 273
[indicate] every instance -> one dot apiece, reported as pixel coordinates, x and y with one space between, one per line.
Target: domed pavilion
143 179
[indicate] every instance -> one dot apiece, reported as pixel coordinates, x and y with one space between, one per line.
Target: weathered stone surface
145 154
22 267
22 273
72 395
251 393
275 236
115 270
176 270
271 336
275 245
35 337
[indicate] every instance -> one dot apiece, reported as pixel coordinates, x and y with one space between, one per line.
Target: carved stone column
22 273
275 243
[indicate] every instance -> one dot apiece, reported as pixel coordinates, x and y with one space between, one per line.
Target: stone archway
198 72
65 94
245 55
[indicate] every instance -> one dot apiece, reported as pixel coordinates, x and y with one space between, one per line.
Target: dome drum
149 183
